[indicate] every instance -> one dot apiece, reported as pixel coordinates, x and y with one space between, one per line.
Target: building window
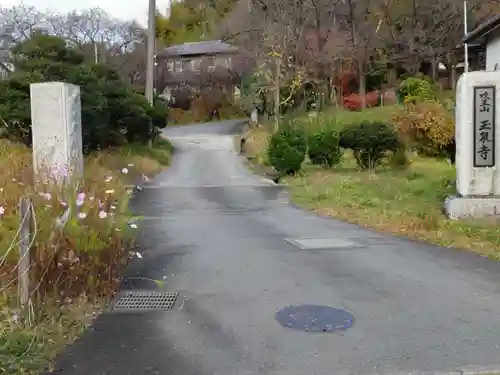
209 63
220 61
178 66
223 62
170 65
195 65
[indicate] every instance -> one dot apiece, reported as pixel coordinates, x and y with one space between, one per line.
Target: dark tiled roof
483 29
198 48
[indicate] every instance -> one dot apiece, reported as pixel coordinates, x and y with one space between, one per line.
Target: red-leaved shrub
353 102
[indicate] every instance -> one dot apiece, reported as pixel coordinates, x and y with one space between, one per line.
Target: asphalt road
216 234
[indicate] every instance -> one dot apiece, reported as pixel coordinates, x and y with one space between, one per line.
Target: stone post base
469 207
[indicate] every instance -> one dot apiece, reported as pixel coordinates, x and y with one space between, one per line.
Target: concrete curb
478 370
466 370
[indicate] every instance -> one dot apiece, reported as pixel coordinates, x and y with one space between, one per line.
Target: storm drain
140 301
313 318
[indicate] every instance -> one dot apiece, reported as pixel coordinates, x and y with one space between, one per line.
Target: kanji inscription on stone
484 126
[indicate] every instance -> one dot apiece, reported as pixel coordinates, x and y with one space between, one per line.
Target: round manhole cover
311 318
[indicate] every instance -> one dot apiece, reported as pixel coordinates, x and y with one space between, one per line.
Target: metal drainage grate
136 301
311 318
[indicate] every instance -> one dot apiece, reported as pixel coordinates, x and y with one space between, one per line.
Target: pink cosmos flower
80 199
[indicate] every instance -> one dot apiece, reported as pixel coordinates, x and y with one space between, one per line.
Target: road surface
224 239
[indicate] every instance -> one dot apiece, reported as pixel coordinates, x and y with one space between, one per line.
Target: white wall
493 51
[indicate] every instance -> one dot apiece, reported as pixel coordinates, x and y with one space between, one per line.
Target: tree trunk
453 77
332 92
341 89
277 95
452 71
362 84
434 67
323 94
303 104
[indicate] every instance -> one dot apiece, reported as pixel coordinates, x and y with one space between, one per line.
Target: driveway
227 241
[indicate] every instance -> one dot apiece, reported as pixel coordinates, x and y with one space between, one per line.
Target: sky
121 9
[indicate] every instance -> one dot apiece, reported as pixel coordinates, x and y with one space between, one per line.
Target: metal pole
150 67
466 46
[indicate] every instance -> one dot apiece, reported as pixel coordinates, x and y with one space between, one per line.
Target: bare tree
322 35
20 22
323 45
100 37
271 32
415 31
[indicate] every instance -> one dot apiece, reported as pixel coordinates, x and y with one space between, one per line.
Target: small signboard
484 126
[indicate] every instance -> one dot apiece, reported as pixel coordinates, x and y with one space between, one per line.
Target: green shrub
369 141
287 149
416 89
323 148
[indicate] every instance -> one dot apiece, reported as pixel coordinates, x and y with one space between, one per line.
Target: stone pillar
57 130
254 116
477 137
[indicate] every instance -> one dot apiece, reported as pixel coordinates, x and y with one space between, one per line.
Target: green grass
161 151
336 119
406 202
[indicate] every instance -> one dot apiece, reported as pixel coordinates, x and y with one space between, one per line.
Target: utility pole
466 46
150 67
96 53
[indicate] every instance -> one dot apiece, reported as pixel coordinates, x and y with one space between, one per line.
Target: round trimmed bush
287 149
369 141
324 149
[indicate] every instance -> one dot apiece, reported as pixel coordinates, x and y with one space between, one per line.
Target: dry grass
81 258
145 161
256 143
406 202
29 349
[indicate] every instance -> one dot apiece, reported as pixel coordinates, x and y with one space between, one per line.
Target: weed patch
80 239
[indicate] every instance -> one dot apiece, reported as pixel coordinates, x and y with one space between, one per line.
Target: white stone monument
254 116
477 137
57 130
